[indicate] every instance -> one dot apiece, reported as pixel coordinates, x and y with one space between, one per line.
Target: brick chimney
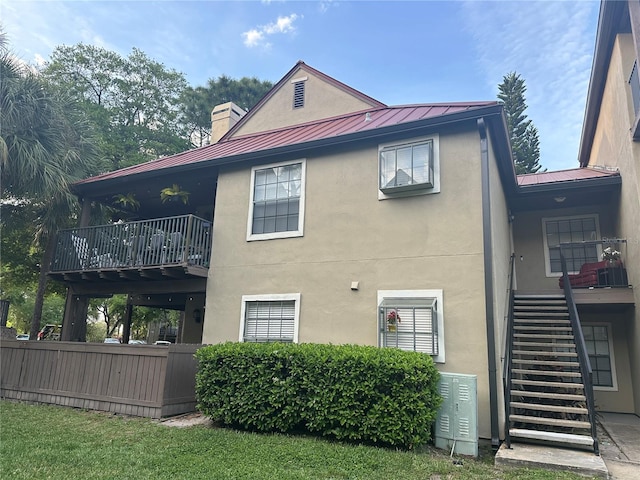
223 118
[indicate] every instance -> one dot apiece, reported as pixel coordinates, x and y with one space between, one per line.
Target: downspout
488 281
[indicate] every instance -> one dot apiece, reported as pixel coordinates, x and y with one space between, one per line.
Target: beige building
323 215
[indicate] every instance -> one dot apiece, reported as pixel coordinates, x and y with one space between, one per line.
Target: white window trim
612 360
435 138
269 236
547 260
276 297
437 294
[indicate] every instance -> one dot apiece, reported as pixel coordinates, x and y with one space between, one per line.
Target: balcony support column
74 325
126 331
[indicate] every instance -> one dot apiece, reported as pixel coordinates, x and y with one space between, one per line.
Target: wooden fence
140 380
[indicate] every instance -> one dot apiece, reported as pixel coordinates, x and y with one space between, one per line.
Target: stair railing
581 348
506 365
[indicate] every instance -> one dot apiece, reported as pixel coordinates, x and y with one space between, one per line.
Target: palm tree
45 145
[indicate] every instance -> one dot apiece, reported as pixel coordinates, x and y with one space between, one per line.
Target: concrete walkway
619 441
620 445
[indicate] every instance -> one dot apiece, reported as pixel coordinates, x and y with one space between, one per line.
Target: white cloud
258 36
550 44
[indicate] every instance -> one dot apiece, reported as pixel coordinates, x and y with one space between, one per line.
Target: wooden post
126 332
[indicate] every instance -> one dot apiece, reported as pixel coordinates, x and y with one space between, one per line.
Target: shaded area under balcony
173 247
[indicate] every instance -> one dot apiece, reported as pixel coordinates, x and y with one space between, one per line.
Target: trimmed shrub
347 392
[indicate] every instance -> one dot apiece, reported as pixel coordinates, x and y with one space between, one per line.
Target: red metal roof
365 120
569 175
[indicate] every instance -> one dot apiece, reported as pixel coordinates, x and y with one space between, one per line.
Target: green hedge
348 392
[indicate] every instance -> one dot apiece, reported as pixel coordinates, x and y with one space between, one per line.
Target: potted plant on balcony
611 256
174 193
393 319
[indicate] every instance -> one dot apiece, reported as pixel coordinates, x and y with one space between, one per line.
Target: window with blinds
409 324
269 321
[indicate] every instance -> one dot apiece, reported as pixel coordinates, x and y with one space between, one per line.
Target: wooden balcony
173 247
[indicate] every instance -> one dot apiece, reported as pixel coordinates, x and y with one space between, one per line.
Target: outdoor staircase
547 401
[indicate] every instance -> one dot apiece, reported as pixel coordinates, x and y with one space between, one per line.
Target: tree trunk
42 285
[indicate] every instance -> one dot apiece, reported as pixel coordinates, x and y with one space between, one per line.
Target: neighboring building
322 214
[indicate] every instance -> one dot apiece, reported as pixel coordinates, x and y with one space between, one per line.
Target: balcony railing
596 263
172 241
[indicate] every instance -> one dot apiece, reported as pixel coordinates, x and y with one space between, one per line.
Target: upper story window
277 201
563 230
298 92
409 168
270 318
412 320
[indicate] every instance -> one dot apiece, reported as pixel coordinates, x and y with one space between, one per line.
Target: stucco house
322 215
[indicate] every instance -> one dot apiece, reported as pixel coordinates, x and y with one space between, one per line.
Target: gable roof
340 129
300 65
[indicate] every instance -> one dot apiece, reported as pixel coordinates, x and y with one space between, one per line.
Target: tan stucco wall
322 100
501 248
421 242
614 147
529 243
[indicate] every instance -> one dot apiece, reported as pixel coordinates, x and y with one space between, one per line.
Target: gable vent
298 95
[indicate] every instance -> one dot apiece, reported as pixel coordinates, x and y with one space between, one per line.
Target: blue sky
397 52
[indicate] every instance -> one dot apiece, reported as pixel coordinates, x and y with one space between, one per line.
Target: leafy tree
198 102
45 145
525 143
133 101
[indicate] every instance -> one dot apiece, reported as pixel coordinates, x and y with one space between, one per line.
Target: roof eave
432 122
612 181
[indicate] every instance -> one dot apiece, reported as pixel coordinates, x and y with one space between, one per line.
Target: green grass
50 442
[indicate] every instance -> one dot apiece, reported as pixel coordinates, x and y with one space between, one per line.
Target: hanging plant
174 193
127 201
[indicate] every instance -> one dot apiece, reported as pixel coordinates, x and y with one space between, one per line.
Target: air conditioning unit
457 420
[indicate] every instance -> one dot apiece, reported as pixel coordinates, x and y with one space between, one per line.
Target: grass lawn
58 443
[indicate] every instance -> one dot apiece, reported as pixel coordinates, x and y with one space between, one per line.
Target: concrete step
529 306
541 336
550 373
537 328
550 363
536 383
550 408
545 354
555 422
533 314
569 438
544 344
542 321
550 395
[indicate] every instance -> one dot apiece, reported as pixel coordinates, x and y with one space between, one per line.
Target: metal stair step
551 363
568 438
557 422
550 395
551 373
538 383
545 354
544 344
550 408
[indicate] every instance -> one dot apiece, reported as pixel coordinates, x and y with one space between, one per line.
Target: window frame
547 258
273 235
436 294
274 297
414 189
612 360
